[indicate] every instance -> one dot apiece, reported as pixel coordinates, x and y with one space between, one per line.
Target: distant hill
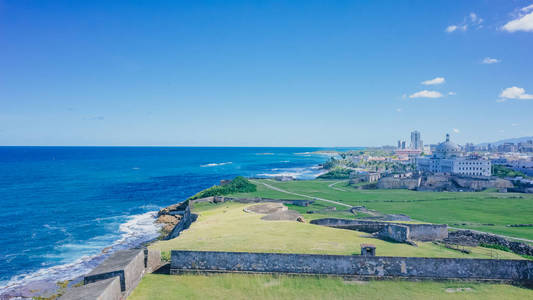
513 140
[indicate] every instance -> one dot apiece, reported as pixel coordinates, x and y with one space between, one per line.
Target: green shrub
503 171
338 173
238 185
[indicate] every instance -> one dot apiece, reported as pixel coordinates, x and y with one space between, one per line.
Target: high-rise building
416 142
469 147
403 144
399 144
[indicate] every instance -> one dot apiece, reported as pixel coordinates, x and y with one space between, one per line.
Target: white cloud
453 28
451 94
399 109
501 131
475 19
456 130
489 60
527 8
515 124
426 94
437 80
515 93
523 22
471 20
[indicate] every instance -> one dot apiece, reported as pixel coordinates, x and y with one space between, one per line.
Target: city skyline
264 74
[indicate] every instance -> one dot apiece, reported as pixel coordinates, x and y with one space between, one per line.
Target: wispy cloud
475 19
489 60
472 20
434 81
426 94
399 109
515 93
453 28
451 94
456 130
523 21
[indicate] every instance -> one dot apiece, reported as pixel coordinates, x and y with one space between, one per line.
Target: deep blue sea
64 208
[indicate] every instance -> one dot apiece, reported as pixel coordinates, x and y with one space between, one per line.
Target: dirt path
300 195
336 188
346 205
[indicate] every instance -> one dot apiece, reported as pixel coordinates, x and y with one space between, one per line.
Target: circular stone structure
266 208
274 212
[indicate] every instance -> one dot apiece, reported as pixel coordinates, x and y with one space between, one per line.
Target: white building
447 158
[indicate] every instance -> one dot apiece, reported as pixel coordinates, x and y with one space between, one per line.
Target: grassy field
238 286
226 227
475 209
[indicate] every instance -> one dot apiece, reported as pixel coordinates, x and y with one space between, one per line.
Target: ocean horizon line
179 146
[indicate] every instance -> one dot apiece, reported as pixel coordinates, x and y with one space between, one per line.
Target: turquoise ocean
64 209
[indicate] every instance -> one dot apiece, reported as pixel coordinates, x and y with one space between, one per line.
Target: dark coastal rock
169 222
173 209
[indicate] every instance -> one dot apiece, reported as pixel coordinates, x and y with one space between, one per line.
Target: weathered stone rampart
398 183
397 233
107 289
117 276
185 221
128 265
417 232
354 265
469 237
441 182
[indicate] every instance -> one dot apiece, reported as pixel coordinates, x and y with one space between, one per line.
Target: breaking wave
216 164
138 229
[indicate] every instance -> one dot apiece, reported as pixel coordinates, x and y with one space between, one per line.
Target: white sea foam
136 230
216 164
298 173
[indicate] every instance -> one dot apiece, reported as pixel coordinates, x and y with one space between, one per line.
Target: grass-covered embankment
226 227
484 211
240 286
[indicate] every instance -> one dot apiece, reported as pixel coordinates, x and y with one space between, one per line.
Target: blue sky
264 73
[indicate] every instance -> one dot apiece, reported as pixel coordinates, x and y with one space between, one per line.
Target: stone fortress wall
187 218
117 276
475 238
415 232
501 270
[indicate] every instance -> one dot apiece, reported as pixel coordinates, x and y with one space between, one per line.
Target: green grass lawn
240 286
226 227
473 208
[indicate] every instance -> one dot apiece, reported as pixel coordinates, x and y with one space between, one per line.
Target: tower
415 140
